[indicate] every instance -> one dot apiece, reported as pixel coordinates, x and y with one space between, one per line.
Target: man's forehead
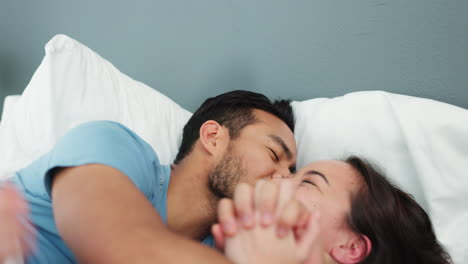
264 116
272 128
271 120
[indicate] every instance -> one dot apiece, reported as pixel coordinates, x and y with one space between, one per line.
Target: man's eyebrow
280 142
319 174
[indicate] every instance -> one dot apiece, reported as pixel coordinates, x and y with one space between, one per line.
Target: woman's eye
309 182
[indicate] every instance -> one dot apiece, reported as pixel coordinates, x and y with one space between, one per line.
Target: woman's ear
352 251
212 134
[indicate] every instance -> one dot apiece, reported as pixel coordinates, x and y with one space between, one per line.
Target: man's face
263 149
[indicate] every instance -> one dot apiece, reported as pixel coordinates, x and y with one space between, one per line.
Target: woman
363 219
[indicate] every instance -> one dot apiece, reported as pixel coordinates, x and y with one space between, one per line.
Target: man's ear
212 134
354 250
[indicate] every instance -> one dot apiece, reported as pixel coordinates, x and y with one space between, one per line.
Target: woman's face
327 186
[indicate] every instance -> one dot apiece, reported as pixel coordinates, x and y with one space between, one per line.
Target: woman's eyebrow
319 174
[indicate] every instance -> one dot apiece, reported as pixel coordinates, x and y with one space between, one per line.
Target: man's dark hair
234 111
399 229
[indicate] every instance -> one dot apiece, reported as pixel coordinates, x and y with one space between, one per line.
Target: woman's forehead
336 172
329 166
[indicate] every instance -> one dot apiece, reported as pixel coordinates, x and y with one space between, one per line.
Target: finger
227 217
293 215
218 236
309 242
243 203
286 192
265 202
257 191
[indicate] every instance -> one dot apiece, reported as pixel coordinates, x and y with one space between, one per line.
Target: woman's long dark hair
398 227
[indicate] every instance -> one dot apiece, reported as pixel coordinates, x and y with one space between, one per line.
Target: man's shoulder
102 126
112 135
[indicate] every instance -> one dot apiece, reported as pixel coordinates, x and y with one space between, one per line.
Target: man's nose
281 175
286 171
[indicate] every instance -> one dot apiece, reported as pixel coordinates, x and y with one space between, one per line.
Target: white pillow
419 142
422 145
73 85
8 105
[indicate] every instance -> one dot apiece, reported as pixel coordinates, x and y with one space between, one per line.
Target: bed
420 143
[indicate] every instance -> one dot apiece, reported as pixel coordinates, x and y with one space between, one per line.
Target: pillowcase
419 142
421 145
8 104
73 85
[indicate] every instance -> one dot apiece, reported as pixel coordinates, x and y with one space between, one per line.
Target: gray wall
298 49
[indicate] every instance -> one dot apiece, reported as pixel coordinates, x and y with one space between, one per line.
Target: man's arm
104 218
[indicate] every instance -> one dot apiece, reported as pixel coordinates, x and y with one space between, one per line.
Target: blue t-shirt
99 142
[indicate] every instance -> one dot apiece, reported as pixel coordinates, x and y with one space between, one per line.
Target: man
101 195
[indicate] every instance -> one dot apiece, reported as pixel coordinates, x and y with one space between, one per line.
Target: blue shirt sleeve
108 143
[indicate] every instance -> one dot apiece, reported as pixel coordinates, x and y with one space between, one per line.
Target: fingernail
299 233
266 218
247 221
282 232
228 228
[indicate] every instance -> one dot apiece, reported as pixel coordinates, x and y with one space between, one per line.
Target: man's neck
191 207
